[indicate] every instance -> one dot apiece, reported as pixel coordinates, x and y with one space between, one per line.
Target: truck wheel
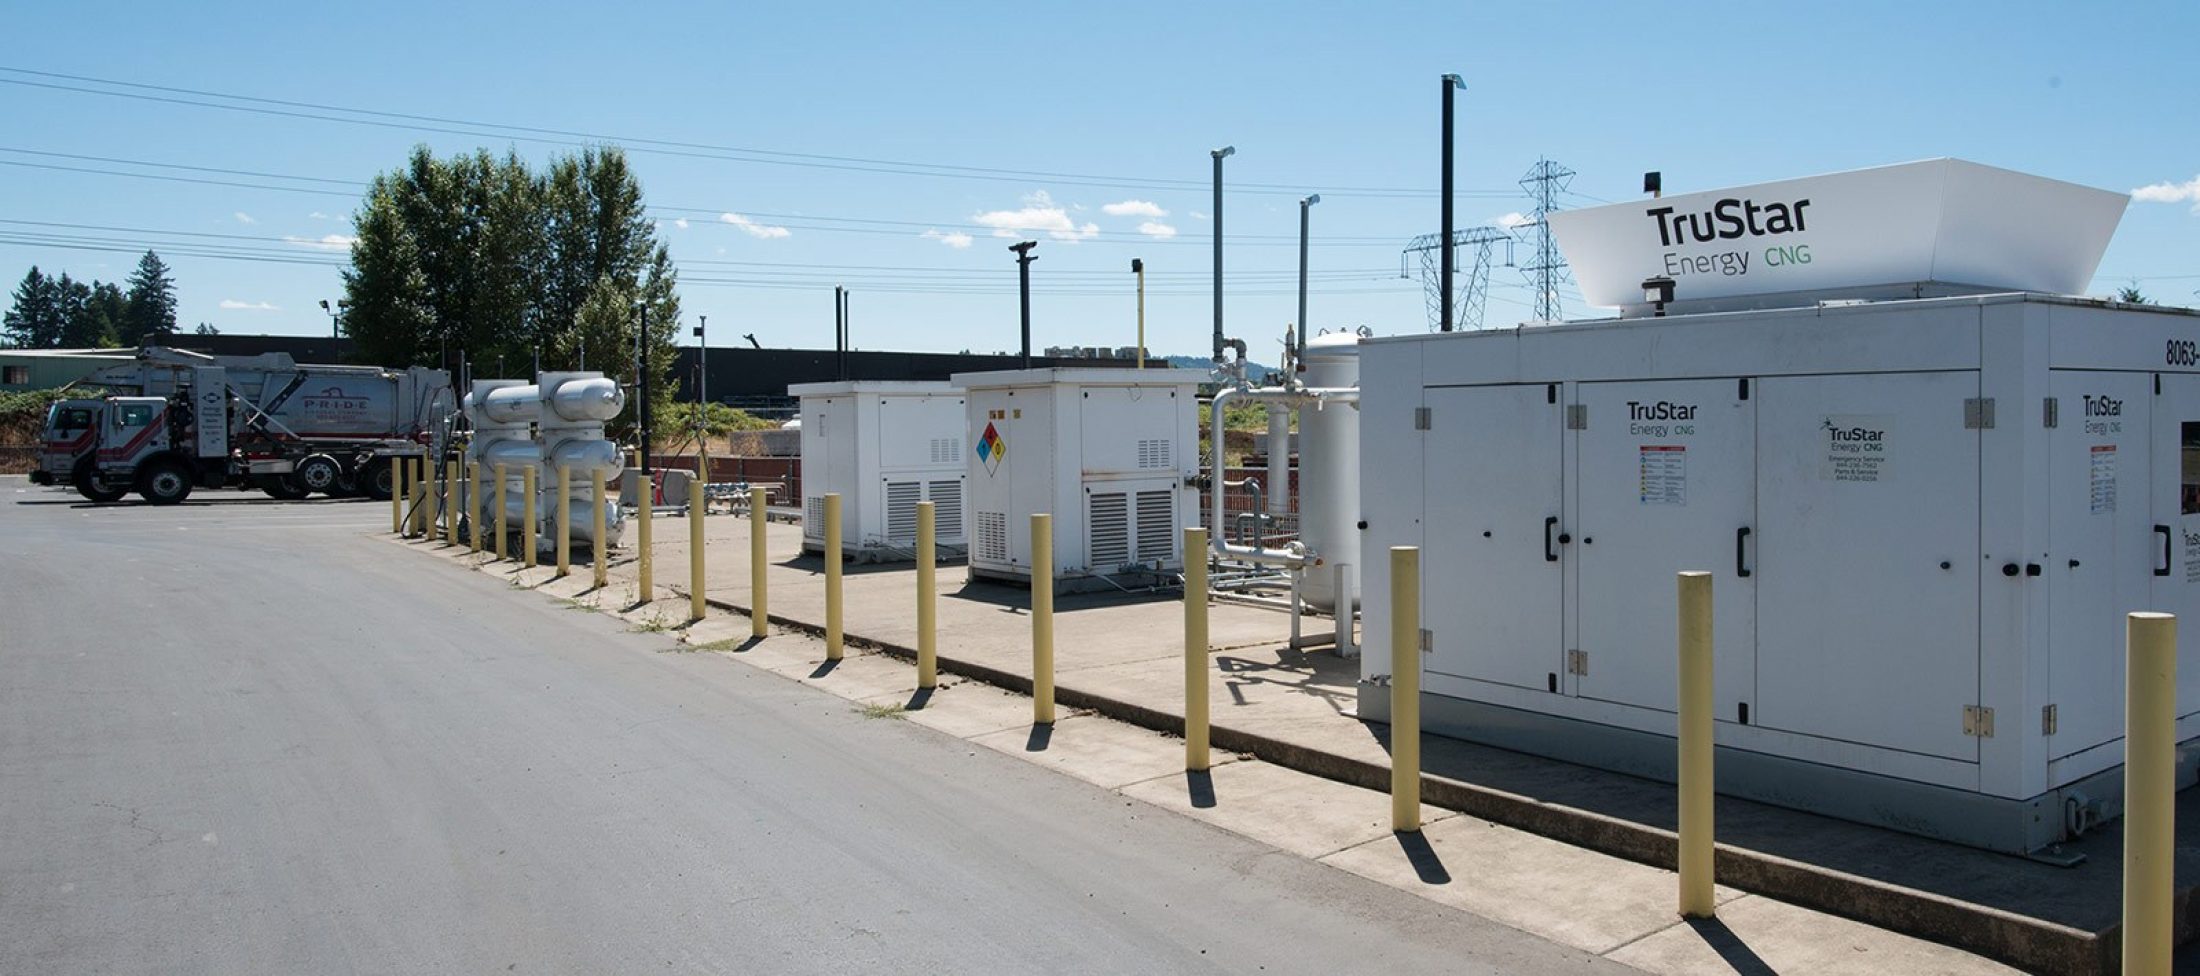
376 481
86 480
319 473
282 487
164 483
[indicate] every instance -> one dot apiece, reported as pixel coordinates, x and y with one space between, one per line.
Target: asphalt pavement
245 736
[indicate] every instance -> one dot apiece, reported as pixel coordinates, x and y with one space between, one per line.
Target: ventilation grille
992 542
1156 525
1155 453
901 510
813 517
1108 518
947 509
946 450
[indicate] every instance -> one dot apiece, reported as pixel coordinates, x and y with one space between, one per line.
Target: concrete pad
1759 935
1562 893
965 709
1096 750
861 676
791 656
1289 810
711 629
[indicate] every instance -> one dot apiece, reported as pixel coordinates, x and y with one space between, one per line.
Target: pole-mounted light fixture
1657 292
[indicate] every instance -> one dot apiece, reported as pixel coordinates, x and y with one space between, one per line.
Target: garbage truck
168 420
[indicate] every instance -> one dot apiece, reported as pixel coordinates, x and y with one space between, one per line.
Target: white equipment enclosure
1927 519
1112 454
884 447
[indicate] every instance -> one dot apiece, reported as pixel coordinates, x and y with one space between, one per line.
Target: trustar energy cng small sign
1942 221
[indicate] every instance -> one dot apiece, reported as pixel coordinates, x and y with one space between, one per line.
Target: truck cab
70 434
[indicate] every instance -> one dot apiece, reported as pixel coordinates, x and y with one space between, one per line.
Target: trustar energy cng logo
1731 219
1664 418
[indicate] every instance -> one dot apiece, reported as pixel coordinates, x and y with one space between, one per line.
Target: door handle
1741 547
1550 548
2163 569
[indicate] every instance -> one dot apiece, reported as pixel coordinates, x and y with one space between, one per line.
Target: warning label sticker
1857 447
1664 474
2103 478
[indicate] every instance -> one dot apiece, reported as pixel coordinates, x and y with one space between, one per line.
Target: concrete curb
2028 943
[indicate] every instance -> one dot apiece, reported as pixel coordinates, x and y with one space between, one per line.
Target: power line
282 108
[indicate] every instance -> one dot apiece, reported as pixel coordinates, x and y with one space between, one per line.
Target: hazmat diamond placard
991 448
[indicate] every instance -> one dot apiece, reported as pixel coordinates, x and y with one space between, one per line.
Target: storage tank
1329 471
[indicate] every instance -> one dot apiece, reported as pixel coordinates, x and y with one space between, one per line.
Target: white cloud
244 218
955 239
233 305
2167 192
326 242
753 229
1134 208
1196 215
1039 214
1155 228
681 223
1512 220
317 215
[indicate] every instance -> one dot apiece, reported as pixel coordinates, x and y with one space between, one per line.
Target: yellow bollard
1695 747
648 583
759 520
928 651
453 493
474 522
695 552
1405 689
833 637
397 496
1195 650
2150 774
431 513
496 498
1042 619
527 518
565 520
416 496
596 544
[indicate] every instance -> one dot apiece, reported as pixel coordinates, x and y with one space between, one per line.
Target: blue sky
1328 98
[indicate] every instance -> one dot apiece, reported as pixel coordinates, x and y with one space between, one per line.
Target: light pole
702 390
1219 155
1451 83
1023 290
1138 267
1299 344
336 317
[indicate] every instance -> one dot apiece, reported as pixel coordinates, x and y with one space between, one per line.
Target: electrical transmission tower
1545 270
1468 310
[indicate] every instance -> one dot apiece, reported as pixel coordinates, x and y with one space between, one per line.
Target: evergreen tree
99 320
34 316
207 328
81 327
2132 295
151 317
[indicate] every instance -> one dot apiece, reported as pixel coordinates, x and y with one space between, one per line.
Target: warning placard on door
1858 447
2103 478
1664 474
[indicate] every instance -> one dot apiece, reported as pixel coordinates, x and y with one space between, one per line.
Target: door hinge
2050 411
1422 419
1978 413
1577 416
1577 662
1978 721
1428 641
2047 720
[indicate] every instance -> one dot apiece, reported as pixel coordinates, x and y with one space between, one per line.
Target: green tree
2132 295
207 328
100 320
151 316
34 317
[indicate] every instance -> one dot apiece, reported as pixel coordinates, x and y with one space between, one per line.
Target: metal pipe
1023 293
840 337
1298 345
641 389
1293 556
1138 267
1279 459
1695 860
642 512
